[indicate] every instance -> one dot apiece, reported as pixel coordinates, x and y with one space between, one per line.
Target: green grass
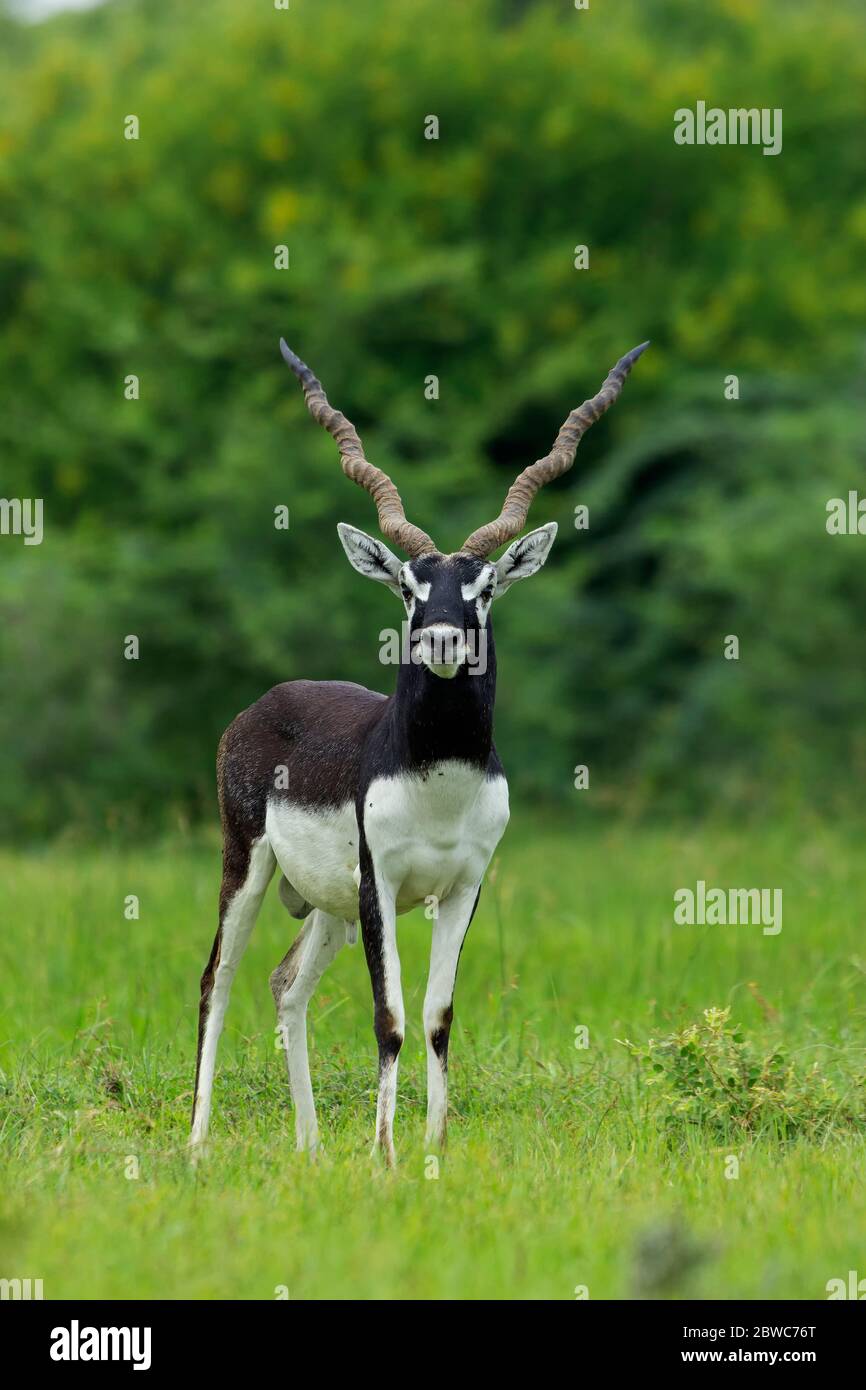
564 1167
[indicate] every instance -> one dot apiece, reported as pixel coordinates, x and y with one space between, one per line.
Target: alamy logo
21 1289
736 126
76 1343
846 518
451 647
22 516
854 1288
711 907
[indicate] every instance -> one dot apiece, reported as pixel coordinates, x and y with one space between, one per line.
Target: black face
448 597
453 589
447 600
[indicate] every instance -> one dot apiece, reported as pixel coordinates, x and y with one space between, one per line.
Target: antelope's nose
442 647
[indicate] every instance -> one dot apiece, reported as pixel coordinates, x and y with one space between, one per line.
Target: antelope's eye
487 594
405 590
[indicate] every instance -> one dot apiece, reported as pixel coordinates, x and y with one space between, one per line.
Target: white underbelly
318 853
428 836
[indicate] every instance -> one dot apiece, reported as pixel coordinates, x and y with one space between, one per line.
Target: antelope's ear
369 556
524 556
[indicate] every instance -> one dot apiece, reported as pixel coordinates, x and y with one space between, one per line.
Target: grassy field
566 1170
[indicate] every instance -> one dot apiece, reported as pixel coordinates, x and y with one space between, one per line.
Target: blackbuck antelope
370 804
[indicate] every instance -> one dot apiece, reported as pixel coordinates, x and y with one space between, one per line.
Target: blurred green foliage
411 257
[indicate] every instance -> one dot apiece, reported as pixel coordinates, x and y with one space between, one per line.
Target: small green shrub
708 1075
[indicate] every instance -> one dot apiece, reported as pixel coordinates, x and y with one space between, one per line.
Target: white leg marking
449 932
323 937
237 925
392 1001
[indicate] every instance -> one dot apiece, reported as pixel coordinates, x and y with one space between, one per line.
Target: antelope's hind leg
292 985
247 870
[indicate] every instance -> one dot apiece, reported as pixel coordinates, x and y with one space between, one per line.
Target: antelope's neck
433 719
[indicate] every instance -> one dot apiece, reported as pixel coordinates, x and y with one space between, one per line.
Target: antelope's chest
431 833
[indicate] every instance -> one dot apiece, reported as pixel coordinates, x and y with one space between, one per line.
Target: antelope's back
302 741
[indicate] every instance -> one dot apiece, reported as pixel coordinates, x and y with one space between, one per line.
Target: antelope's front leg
449 931
378 912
